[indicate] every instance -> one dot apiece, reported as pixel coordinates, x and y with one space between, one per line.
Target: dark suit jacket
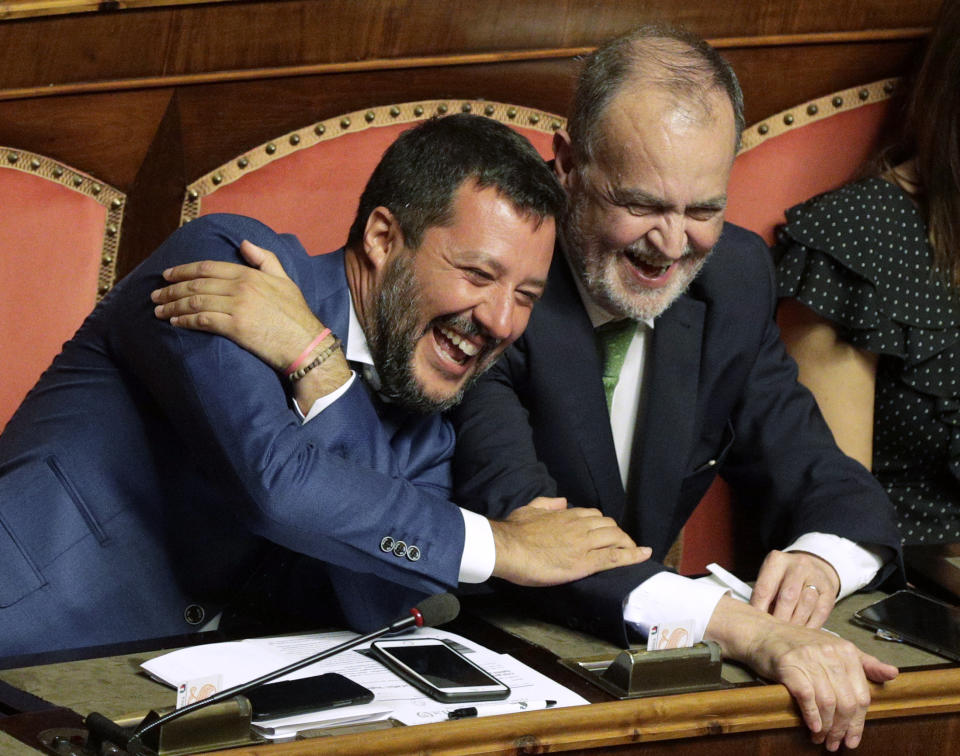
154 470
721 396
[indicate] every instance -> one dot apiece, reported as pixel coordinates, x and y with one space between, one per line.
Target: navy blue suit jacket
721 397
154 469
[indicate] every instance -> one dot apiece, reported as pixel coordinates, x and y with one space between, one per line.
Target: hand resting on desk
824 673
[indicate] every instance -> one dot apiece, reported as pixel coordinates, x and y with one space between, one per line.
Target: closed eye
480 275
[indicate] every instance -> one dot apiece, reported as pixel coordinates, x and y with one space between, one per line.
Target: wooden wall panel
150 98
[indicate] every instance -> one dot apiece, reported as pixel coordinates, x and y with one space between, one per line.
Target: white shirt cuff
325 401
855 565
479 552
667 598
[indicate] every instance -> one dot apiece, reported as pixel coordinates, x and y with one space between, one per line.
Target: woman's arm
841 377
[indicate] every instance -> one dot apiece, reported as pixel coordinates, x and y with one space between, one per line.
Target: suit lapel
671 381
582 418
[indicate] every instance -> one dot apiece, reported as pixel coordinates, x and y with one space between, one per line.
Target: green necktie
613 340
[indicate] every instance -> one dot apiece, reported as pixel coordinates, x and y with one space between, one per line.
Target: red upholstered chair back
785 159
308 182
59 230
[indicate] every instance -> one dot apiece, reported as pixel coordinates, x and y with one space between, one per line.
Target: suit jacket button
399 548
194 614
413 553
386 544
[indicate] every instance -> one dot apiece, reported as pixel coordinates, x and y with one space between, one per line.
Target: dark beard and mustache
395 332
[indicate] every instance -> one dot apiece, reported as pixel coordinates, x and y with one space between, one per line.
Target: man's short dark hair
660 55
420 172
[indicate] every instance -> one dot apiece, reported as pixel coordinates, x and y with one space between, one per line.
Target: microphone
432 611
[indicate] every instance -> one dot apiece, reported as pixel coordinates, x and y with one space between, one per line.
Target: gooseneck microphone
432 611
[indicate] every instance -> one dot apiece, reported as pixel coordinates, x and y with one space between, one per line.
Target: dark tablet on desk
939 563
916 619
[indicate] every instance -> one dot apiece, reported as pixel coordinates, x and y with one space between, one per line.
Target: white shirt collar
597 314
357 348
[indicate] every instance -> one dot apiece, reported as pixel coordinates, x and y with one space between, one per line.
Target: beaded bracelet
319 360
292 367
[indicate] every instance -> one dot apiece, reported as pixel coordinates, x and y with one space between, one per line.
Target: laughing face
644 214
445 311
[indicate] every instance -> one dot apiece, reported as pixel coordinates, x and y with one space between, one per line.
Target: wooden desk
917 713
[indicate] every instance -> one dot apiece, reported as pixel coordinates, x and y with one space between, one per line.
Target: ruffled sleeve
860 258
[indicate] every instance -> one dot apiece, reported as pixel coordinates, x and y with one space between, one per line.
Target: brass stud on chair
106 259
418 111
193 195
96 188
270 148
242 163
35 164
294 139
103 289
863 94
837 101
78 181
116 203
534 118
13 158
511 112
488 110
319 129
217 179
394 111
442 108
369 116
788 119
111 230
58 171
812 109
344 123
466 107
763 129
555 125
888 87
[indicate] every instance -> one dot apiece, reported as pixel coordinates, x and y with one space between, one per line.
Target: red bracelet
292 368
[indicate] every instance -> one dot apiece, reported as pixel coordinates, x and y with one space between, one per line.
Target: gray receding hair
660 55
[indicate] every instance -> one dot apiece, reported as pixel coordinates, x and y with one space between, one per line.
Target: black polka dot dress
859 257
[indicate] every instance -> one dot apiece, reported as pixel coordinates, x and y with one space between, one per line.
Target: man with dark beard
160 474
651 365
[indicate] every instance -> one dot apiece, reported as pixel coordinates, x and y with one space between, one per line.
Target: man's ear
381 237
564 163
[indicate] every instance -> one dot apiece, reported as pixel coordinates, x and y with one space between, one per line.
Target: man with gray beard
651 365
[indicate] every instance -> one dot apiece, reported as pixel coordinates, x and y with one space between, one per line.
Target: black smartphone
439 670
918 620
290 697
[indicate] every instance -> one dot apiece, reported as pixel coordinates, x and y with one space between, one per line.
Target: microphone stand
106 729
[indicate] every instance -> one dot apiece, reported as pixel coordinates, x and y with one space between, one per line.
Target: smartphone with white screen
439 670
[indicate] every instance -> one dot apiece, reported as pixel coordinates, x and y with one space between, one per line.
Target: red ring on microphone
418 618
